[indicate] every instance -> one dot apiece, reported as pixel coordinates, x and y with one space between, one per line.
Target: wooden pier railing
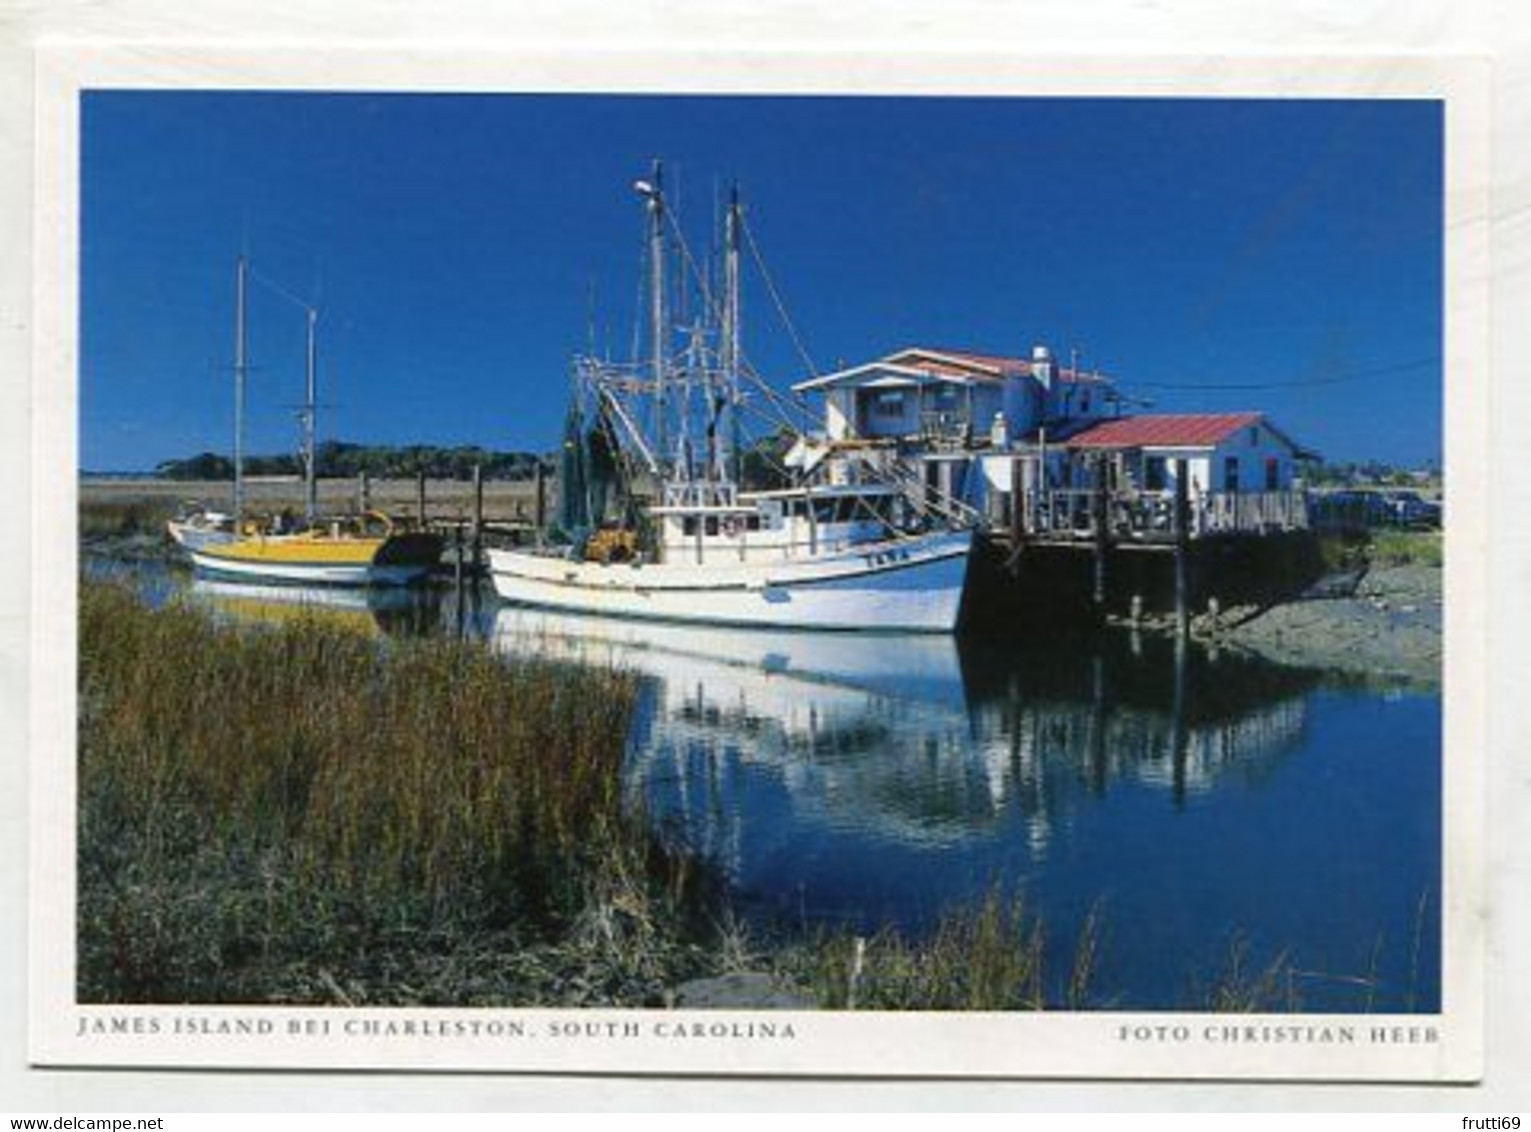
1071 514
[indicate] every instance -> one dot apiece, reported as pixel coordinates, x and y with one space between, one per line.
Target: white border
975 1045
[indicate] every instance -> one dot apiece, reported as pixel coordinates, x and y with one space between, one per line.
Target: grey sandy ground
1389 627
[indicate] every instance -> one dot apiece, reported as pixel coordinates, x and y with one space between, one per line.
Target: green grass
1406 548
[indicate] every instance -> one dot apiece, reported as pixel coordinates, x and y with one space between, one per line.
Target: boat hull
308 573
193 537
397 560
913 585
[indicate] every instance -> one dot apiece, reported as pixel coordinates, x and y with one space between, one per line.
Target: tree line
340 460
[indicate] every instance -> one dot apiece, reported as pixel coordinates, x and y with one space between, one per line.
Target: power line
1333 379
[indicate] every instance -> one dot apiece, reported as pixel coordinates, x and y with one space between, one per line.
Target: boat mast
310 413
653 191
730 343
240 371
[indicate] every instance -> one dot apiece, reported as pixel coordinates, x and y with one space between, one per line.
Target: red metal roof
1169 430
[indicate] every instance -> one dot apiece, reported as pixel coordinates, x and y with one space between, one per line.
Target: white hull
193 537
912 584
315 573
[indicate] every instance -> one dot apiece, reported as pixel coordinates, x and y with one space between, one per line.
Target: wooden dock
1102 520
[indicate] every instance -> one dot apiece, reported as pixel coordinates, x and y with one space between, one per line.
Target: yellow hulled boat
366 550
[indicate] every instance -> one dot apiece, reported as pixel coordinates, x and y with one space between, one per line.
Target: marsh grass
124 518
297 814
1406 548
987 957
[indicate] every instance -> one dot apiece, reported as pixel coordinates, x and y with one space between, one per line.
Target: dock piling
363 493
1182 530
1100 522
541 487
478 517
420 497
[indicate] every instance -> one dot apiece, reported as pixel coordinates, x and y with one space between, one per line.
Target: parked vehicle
1410 509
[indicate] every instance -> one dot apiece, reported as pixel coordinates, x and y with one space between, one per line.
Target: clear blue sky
453 243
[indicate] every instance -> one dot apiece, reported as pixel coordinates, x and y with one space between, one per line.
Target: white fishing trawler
818 551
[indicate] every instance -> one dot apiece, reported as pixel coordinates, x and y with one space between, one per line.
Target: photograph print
712 563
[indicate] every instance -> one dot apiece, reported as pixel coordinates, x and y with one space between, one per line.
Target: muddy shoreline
1384 623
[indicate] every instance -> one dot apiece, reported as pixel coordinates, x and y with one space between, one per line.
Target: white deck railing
1150 515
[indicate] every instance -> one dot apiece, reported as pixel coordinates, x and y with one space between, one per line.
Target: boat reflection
747 741
378 612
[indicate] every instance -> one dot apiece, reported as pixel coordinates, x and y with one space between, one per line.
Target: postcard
795 565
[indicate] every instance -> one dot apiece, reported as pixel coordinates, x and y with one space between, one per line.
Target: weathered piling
457 556
478 518
1099 506
1181 525
1017 511
541 514
420 497
363 492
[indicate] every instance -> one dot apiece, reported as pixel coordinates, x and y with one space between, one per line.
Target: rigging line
643 262
746 367
786 407
1338 379
781 307
685 251
273 285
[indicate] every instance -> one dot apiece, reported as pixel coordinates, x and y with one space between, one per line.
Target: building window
888 405
1154 478
1084 404
1231 474
1254 436
1272 474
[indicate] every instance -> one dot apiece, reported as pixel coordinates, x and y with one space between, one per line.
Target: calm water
1195 799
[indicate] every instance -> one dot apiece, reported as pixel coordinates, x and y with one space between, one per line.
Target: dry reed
298 814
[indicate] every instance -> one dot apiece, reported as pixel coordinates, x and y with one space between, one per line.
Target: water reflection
923 742
380 611
880 780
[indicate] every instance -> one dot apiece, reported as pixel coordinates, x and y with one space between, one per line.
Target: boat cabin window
688 525
844 509
752 522
712 526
